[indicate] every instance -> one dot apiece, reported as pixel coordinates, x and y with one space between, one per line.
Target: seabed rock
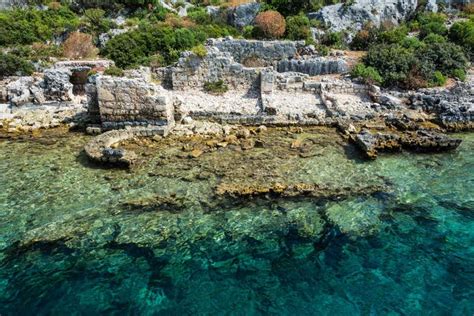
420 141
294 190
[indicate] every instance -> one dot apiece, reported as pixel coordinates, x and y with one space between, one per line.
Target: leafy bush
368 74
434 38
217 87
411 43
413 68
323 50
298 27
78 46
199 15
11 65
113 71
199 51
432 23
271 23
462 33
135 47
438 79
25 26
334 39
444 57
248 31
368 35
156 61
459 74
385 34
96 22
393 62
393 35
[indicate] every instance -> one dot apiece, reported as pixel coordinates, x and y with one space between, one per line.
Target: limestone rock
19 91
244 14
105 37
353 17
57 85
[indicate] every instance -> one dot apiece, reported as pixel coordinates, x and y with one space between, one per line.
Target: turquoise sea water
73 239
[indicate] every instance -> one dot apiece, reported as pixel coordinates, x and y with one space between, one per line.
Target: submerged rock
421 141
371 143
294 190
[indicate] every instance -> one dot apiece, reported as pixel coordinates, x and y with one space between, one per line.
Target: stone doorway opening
79 79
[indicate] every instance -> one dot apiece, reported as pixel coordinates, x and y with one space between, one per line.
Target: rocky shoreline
150 102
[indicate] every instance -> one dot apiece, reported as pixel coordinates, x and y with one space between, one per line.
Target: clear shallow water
69 244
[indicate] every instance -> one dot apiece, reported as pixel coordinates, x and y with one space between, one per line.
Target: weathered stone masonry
132 101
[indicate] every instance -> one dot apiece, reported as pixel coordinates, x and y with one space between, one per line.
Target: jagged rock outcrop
57 85
454 107
243 15
105 37
53 86
7 4
352 17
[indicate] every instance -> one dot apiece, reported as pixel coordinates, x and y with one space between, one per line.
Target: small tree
298 27
79 46
271 23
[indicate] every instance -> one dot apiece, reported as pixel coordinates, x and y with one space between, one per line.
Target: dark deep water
69 245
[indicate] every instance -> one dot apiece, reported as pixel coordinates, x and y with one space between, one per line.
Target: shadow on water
84 161
353 153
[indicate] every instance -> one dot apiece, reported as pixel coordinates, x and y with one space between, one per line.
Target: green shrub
334 39
156 61
135 47
438 79
393 36
199 50
368 74
114 71
365 37
25 26
217 87
323 50
11 65
459 74
434 38
445 57
462 33
199 15
298 27
412 43
96 22
393 62
248 31
432 23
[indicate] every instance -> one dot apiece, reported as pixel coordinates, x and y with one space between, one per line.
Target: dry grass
79 46
469 8
271 23
176 22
